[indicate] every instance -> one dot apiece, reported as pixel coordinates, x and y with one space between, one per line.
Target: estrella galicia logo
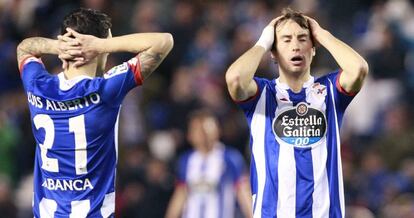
301 126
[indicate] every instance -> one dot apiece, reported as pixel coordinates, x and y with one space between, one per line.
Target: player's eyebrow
286 36
303 35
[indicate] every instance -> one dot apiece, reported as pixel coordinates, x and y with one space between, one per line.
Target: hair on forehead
297 17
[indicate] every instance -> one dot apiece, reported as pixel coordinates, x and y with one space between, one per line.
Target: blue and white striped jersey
296 161
75 124
211 181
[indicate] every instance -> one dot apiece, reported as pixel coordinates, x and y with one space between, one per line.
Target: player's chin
297 70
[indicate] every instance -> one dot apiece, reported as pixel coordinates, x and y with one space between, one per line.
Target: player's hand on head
88 46
69 49
315 28
267 38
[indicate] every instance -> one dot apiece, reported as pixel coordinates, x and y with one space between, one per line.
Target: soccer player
211 176
295 119
75 114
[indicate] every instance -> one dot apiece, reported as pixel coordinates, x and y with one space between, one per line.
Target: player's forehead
290 28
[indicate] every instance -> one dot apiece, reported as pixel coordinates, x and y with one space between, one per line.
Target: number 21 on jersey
77 126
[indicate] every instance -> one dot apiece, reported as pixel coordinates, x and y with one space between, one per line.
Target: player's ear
109 33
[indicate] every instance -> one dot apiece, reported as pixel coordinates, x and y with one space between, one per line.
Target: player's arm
239 76
35 46
354 67
38 46
244 197
176 205
152 48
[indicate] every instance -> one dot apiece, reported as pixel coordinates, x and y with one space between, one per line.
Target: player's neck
88 69
294 81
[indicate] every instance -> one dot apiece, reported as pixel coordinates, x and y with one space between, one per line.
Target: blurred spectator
7 207
211 177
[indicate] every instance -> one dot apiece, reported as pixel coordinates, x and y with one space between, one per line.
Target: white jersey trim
66 84
258 126
338 144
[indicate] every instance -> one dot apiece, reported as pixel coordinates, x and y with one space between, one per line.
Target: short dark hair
298 17
87 21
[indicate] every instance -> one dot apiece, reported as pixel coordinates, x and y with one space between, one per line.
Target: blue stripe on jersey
296 98
271 147
304 182
332 161
304 169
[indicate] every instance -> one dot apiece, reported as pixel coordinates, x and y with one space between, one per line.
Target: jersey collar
286 86
66 84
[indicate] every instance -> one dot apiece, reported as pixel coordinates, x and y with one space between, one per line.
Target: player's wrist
321 34
101 46
266 38
53 46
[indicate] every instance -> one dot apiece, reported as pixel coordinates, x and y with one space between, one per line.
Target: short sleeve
181 171
249 104
31 69
119 80
342 98
235 164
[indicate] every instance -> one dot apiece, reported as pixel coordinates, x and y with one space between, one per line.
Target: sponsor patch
123 68
301 126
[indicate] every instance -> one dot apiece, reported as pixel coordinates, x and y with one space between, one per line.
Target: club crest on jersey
301 126
123 68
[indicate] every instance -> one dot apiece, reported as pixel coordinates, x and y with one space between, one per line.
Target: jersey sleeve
119 80
181 170
342 97
236 165
31 68
249 104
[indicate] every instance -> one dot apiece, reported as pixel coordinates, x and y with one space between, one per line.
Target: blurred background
377 134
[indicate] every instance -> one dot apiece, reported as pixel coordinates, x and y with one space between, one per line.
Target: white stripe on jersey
287 181
286 164
116 133
258 150
193 209
320 196
80 209
211 206
338 144
228 200
47 208
108 206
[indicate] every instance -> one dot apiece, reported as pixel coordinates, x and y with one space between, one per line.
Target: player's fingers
65 56
64 64
76 52
78 64
273 22
79 59
68 39
68 47
73 32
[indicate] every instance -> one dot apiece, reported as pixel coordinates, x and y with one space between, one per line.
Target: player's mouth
297 60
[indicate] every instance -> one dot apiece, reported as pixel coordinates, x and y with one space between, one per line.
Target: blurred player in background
211 177
74 114
295 119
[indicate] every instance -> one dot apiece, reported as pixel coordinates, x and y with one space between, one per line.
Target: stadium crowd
377 134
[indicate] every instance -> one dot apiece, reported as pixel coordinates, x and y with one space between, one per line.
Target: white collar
66 84
286 86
